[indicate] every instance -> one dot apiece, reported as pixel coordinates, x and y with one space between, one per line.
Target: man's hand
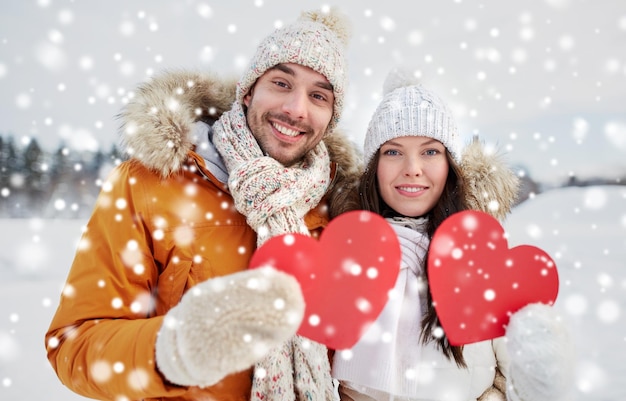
227 324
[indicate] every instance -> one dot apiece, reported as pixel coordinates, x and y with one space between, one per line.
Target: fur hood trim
490 185
157 124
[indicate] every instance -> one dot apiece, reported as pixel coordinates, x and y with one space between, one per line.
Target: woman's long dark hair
452 200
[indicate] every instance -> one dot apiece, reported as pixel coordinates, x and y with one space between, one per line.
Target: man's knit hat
316 40
409 109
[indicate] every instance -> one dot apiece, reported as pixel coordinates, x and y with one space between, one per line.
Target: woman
415 178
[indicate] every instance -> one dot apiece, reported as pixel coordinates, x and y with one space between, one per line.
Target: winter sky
542 80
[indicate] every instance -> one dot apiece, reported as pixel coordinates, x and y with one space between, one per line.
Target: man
158 304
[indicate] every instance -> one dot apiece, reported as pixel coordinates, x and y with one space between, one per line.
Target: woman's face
412 173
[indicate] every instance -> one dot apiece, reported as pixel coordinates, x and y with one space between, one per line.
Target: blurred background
543 81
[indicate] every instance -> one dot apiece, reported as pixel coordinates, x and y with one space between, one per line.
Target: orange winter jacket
148 241
162 223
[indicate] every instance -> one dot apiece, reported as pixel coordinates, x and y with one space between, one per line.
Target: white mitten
541 353
227 324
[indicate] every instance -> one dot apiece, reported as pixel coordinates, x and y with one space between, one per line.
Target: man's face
289 109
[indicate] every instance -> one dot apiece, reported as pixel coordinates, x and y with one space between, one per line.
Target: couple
158 303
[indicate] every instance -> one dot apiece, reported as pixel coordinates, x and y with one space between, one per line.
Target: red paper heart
345 276
477 282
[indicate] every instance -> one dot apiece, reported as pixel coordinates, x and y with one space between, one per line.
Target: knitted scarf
274 199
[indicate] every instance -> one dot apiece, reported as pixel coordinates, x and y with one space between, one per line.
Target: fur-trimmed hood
158 123
490 185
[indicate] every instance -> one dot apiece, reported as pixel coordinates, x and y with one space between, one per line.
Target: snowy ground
583 229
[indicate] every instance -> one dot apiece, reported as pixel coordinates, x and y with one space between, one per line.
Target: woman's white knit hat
317 40
409 109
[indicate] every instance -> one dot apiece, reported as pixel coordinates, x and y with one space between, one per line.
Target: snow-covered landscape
542 80
582 229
